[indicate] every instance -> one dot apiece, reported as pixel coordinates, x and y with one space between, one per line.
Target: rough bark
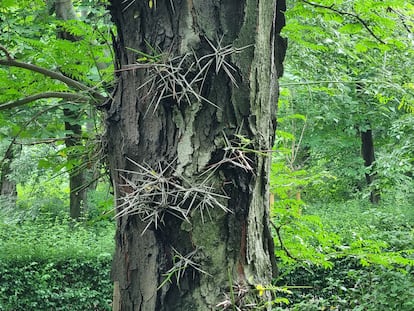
191 172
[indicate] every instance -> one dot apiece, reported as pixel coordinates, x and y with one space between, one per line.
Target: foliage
302 235
53 241
29 36
55 266
47 262
99 206
347 70
351 287
361 258
335 255
359 79
43 189
75 284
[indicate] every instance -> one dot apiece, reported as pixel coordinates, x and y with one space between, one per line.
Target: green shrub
64 285
55 266
53 241
350 286
371 260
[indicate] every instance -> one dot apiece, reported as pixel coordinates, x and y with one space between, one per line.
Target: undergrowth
367 258
55 265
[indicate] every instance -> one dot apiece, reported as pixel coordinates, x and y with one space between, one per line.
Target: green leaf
351 28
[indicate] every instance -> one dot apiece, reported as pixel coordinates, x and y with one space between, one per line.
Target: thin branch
14 138
353 15
402 18
370 82
281 84
282 245
42 141
29 99
295 150
6 52
54 75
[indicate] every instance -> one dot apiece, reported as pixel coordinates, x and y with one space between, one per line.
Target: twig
6 52
356 16
42 141
13 141
402 18
282 245
28 99
326 81
56 76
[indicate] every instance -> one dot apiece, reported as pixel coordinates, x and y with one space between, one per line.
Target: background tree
50 121
79 177
352 95
7 184
189 131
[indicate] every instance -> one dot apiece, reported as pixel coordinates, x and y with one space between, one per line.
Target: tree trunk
78 177
7 185
189 151
368 154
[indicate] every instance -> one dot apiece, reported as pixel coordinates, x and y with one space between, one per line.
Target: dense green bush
351 286
55 266
53 241
72 284
371 261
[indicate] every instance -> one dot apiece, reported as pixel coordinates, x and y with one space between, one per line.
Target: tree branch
14 138
6 52
42 141
402 18
28 99
54 75
282 245
353 15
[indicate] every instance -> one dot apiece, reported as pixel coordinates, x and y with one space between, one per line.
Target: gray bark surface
190 158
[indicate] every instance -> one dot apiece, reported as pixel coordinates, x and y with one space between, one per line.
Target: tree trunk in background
77 176
78 179
368 154
189 151
8 186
